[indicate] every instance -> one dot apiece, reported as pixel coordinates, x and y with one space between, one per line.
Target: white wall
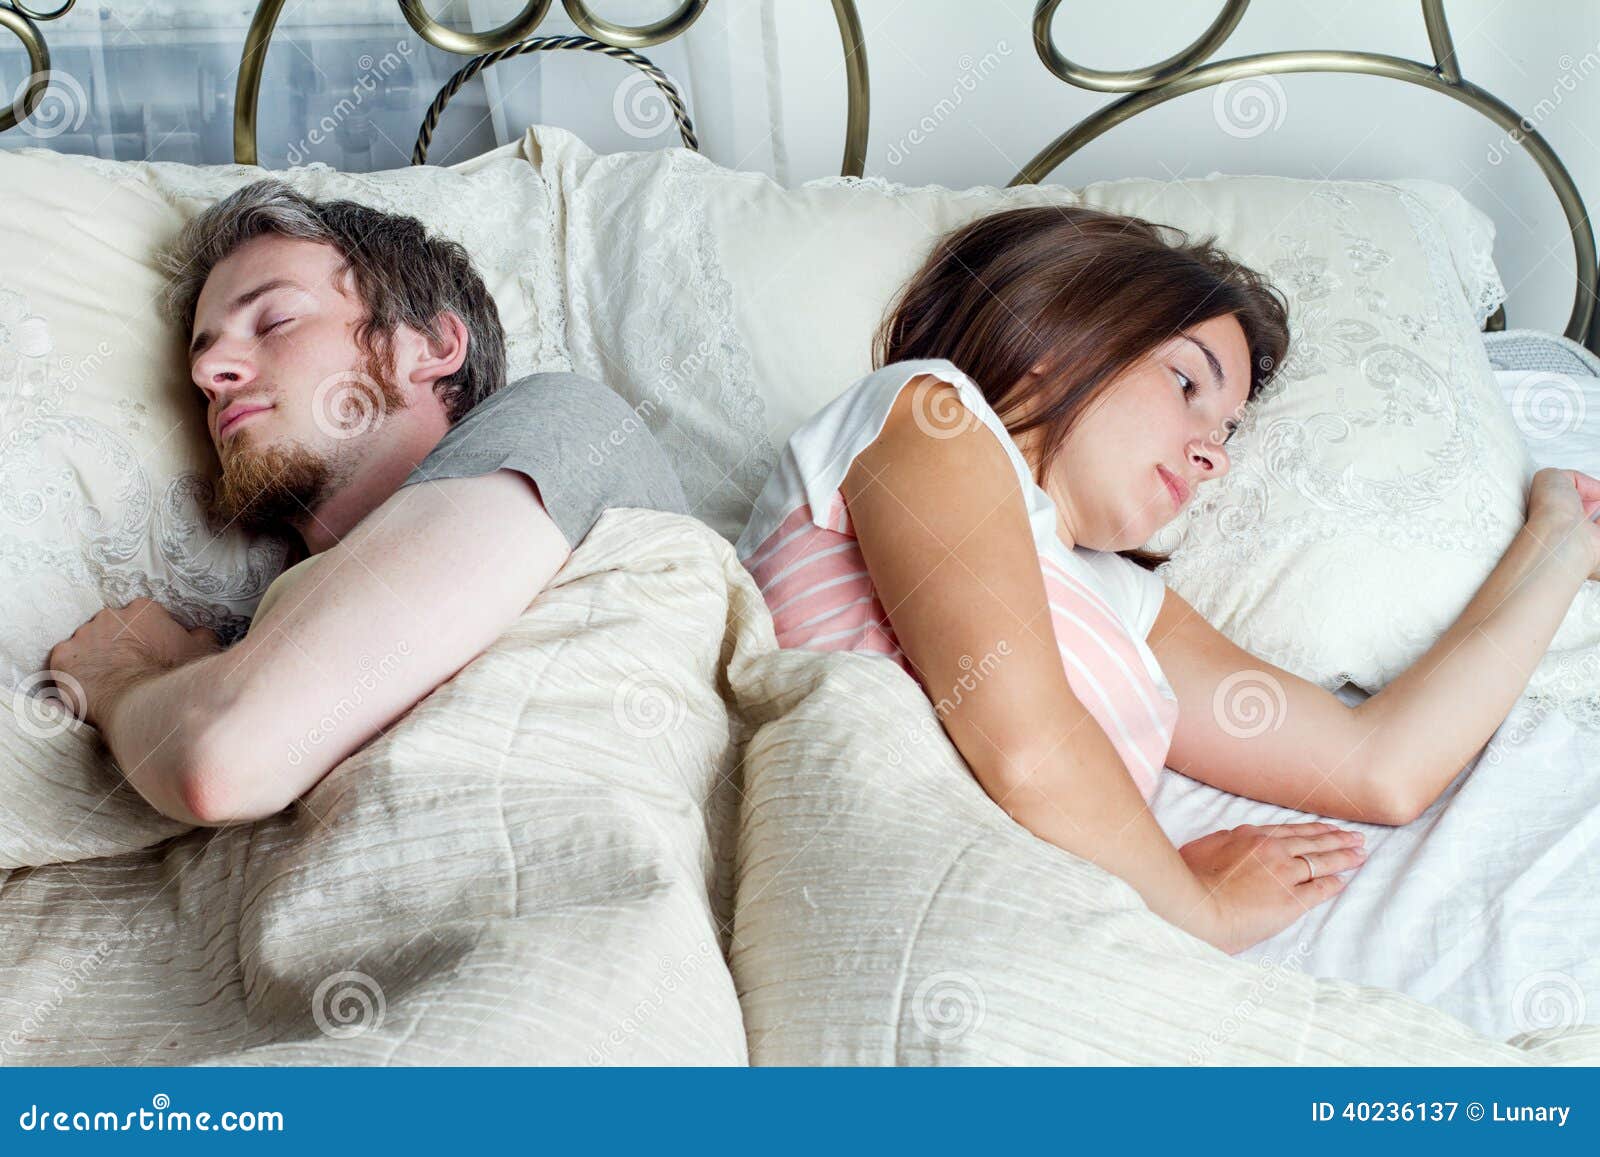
977 55
1331 125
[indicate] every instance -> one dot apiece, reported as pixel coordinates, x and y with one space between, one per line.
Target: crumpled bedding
523 870
555 856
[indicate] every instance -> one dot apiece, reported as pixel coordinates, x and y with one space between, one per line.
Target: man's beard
268 487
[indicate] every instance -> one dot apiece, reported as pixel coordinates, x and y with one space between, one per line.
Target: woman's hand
1560 506
1258 881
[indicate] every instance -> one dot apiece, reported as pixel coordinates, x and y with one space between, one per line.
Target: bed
632 831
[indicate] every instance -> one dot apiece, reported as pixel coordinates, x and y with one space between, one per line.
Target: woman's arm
1256 730
943 528
1436 715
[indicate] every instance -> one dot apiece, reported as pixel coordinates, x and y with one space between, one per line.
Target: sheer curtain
347 83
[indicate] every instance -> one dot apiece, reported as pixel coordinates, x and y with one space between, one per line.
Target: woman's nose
1209 457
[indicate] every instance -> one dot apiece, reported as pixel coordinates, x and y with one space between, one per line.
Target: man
351 369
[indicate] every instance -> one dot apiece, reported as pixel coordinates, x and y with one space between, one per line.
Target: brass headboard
1143 88
1183 73
521 27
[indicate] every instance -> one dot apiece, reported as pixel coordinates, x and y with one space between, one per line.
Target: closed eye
276 324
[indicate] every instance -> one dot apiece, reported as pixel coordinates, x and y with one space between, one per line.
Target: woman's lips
1175 486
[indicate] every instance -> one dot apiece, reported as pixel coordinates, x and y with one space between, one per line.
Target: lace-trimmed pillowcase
106 456
1374 486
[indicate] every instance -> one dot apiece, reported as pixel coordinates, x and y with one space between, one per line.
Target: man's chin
267 487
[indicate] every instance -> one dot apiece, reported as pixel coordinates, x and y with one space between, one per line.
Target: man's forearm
1436 715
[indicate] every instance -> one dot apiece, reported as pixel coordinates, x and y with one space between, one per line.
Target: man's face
292 402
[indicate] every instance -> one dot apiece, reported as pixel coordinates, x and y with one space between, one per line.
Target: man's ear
433 358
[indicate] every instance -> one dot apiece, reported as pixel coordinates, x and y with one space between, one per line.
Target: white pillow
1373 488
1470 232
104 454
888 913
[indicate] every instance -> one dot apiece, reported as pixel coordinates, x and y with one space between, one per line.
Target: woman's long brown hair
1086 292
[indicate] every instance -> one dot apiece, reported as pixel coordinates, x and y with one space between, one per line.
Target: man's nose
218 371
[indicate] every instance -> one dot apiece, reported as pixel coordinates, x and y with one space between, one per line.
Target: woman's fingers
1588 491
1587 485
1317 891
1321 842
1330 863
1294 829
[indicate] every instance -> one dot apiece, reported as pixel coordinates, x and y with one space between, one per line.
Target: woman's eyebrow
1211 360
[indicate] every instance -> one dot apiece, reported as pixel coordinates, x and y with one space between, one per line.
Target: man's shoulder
554 388
564 409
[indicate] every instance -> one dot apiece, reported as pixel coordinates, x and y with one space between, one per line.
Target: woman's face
1169 414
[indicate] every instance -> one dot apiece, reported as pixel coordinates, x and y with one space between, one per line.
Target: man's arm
416 591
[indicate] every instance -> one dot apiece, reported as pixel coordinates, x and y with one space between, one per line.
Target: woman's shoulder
821 450
858 415
891 379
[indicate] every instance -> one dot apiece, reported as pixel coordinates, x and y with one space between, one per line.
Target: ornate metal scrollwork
514 37
419 153
1186 72
21 21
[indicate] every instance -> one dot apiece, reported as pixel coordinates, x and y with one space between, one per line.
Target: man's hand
117 649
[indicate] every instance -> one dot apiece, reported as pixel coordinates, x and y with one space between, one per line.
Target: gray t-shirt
581 444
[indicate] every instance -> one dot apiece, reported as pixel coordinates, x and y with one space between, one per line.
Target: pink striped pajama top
801 550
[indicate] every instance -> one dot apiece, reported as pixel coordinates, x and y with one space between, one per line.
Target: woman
1053 385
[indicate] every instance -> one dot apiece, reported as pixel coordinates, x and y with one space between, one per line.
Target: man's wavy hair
400 274
1086 292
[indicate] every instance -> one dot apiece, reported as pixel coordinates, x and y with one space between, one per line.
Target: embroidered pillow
1373 488
104 455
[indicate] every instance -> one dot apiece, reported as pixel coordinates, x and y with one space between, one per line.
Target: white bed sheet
1488 906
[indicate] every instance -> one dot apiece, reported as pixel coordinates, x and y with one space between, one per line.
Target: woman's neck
1029 445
